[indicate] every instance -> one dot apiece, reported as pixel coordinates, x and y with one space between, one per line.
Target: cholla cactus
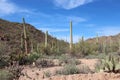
110 64
71 37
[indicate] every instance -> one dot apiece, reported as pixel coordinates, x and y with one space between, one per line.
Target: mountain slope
10 35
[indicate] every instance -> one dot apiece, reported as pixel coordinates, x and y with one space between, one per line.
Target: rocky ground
34 73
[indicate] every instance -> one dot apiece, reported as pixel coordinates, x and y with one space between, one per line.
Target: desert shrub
4 58
84 69
66 59
28 59
47 74
68 69
16 71
33 56
73 69
83 48
6 75
3 63
3 49
44 63
74 61
41 49
95 56
53 48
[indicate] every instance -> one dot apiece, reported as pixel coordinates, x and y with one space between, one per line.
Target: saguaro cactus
82 39
21 43
46 38
25 37
105 47
110 44
97 43
97 39
32 48
71 36
119 46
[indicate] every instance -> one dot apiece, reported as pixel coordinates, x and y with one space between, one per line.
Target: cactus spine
25 37
46 38
71 36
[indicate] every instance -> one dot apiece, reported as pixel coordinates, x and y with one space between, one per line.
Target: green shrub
85 69
28 59
47 74
3 63
33 56
44 63
73 69
4 58
16 71
5 75
68 69
66 59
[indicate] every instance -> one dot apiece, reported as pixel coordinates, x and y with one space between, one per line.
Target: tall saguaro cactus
32 48
46 38
110 44
25 37
21 43
71 36
97 39
97 43
119 46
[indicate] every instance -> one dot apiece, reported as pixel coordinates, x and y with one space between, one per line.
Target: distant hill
10 34
106 39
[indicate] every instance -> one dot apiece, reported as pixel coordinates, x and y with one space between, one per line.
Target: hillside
105 39
10 35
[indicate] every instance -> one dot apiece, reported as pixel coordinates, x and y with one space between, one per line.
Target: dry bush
44 63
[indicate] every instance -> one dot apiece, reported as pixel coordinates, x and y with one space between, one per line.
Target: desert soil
34 73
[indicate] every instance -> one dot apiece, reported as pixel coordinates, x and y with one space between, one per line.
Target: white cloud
7 7
69 4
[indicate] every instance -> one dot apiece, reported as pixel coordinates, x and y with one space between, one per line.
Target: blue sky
89 16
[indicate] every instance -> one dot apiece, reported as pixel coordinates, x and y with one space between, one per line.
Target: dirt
34 73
